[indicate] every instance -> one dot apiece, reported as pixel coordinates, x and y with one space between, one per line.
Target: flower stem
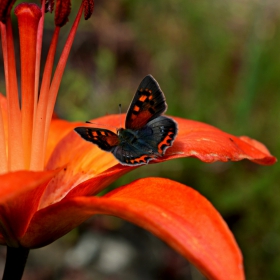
15 263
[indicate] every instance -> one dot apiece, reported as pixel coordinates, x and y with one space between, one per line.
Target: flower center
24 126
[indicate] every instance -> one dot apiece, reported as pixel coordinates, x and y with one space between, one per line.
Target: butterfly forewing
103 138
147 104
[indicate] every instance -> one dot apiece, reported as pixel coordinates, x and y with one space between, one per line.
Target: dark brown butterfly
147 134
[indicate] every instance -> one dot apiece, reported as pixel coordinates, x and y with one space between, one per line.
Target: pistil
28 19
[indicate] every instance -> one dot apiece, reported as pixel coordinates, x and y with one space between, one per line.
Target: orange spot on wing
143 158
165 142
136 108
142 98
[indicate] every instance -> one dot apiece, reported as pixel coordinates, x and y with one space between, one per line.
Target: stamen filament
3 156
38 56
37 160
59 72
15 146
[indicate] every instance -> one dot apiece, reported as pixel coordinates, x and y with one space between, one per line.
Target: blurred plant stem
15 263
248 80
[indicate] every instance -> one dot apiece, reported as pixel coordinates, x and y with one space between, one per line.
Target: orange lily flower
49 175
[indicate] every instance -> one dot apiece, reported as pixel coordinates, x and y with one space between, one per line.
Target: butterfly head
120 130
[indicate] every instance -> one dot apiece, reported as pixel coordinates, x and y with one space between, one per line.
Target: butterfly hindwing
131 155
147 104
164 132
103 138
148 143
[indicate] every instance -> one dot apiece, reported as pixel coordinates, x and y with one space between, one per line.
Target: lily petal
19 189
174 212
58 130
195 139
210 144
205 142
84 161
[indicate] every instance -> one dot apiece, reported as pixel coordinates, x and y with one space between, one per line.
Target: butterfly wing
103 138
147 134
130 155
147 104
164 131
146 144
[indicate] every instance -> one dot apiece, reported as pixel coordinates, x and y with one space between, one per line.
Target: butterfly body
147 134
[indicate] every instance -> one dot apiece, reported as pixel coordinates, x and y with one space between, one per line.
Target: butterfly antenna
120 112
101 124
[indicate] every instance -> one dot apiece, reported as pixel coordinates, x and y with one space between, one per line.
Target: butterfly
147 133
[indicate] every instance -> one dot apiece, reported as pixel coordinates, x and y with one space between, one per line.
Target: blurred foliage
217 62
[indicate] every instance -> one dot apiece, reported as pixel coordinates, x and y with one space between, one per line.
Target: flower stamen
48 94
38 55
3 156
62 11
37 162
5 9
15 146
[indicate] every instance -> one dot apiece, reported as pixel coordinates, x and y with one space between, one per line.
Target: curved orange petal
58 130
64 185
210 144
100 181
206 142
195 139
80 160
84 161
174 212
20 194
